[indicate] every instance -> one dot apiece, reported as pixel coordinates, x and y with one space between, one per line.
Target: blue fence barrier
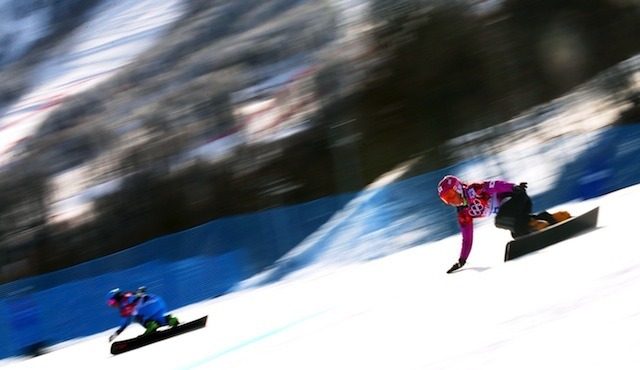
184 268
207 261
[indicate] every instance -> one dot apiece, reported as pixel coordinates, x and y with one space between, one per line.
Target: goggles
113 302
452 197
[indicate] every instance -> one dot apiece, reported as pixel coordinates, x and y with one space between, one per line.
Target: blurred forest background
416 75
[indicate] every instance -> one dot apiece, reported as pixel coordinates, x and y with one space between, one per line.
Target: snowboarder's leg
544 216
162 318
537 225
154 309
151 326
543 219
561 216
171 320
513 214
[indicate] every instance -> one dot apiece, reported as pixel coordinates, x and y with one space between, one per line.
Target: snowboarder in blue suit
149 310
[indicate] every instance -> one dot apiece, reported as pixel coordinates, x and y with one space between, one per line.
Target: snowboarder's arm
114 335
125 322
498 186
466 227
467 241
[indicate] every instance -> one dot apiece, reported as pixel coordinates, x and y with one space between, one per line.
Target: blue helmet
114 296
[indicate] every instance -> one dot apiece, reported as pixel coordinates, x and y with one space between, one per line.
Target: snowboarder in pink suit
509 201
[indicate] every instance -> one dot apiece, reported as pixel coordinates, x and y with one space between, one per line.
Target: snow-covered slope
571 305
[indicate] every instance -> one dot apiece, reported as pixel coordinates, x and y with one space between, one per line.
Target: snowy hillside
571 305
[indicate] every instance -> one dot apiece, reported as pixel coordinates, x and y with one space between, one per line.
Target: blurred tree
437 69
445 69
558 44
22 215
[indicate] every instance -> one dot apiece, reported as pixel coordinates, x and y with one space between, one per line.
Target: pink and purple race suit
482 200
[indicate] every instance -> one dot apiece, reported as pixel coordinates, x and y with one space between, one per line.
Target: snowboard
551 234
146 339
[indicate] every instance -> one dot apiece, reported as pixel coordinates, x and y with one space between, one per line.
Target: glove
113 336
520 188
142 291
457 265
